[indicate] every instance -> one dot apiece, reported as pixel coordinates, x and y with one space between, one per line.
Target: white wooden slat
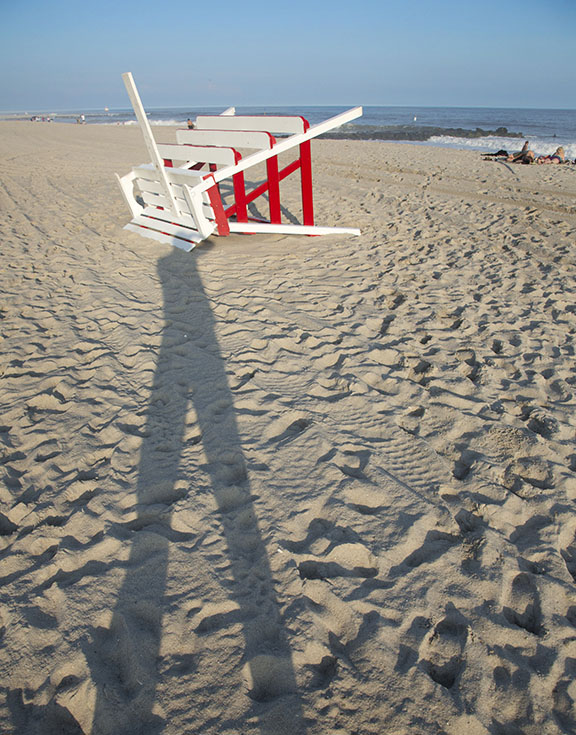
165 215
126 184
233 138
177 242
148 172
177 179
206 154
146 131
265 227
152 193
158 200
154 187
169 228
194 200
228 111
183 217
270 123
196 180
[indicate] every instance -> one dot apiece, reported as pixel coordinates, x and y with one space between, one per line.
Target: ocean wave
153 123
167 123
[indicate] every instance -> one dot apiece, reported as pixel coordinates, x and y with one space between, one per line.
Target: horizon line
31 110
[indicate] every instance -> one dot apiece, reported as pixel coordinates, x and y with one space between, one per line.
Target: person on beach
492 156
556 157
190 124
504 154
524 156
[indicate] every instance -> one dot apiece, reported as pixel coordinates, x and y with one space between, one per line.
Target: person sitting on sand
556 157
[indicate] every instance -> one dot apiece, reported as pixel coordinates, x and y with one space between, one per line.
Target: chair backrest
258 139
283 124
149 188
192 209
195 153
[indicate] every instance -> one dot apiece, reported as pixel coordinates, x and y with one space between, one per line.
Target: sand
288 485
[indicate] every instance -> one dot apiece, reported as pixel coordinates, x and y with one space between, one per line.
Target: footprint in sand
350 460
365 500
442 651
497 346
435 544
41 719
469 366
345 560
562 697
539 421
7 528
463 465
268 677
512 705
560 390
323 672
394 299
522 604
418 369
337 552
412 640
356 649
568 551
286 428
526 476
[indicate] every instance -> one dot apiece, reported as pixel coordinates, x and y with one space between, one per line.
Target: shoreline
473 141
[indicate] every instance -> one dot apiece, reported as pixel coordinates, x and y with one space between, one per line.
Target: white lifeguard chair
177 199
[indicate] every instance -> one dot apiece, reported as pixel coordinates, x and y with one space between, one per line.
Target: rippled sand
287 485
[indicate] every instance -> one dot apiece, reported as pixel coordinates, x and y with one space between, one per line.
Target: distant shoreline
479 129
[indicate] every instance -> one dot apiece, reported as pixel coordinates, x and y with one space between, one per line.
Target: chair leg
218 209
274 190
306 184
240 197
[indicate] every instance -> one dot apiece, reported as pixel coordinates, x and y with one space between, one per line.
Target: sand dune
285 485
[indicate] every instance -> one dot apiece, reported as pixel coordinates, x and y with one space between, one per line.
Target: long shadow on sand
125 656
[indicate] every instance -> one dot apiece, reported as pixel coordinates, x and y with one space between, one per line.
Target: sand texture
288 485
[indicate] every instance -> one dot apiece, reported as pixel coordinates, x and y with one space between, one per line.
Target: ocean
476 128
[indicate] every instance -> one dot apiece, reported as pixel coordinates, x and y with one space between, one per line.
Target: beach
288 485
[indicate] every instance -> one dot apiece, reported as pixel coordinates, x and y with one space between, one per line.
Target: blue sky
61 55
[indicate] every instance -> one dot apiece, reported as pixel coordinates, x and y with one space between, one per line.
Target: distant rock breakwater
414 132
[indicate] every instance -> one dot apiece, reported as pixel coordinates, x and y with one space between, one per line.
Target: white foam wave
153 123
491 144
168 123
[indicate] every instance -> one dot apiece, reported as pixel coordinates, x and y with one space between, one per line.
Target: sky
62 55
